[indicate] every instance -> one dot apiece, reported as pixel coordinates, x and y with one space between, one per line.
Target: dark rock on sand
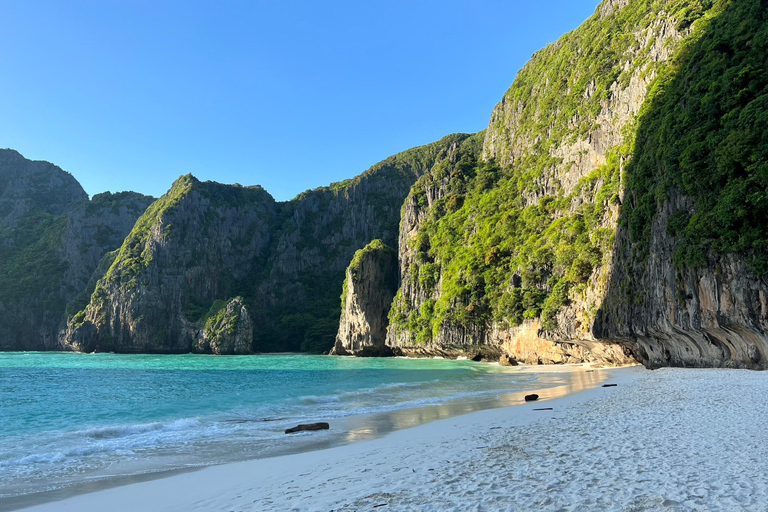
308 426
506 360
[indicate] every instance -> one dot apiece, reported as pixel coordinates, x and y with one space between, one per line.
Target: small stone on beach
531 398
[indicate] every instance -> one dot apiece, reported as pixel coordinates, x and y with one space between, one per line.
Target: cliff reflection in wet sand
364 428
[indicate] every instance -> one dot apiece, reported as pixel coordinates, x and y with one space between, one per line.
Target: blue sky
290 95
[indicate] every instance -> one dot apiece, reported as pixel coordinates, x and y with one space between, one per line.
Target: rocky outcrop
370 285
714 315
199 242
52 239
26 185
204 242
526 343
228 331
560 138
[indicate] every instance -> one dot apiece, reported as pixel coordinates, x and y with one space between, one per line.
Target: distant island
614 210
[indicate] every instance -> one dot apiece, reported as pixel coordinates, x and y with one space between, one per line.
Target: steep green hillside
524 228
704 132
206 242
621 196
51 241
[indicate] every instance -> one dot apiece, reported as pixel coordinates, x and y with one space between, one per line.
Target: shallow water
68 419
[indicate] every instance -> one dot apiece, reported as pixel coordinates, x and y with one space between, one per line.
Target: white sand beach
670 439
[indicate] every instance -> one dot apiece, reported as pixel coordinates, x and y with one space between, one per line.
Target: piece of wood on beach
308 426
531 398
610 385
545 409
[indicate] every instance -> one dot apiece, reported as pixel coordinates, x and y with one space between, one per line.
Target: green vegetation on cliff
497 258
31 265
510 240
202 242
557 96
704 133
217 322
371 250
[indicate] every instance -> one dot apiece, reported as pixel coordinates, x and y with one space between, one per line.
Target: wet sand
344 431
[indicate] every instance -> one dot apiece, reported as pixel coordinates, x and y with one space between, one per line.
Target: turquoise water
66 418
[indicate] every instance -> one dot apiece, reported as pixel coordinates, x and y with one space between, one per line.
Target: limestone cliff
52 238
689 285
191 247
613 210
228 331
712 315
568 239
205 242
369 286
320 230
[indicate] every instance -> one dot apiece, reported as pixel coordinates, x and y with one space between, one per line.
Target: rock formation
204 242
613 210
52 239
369 287
228 331
190 248
566 237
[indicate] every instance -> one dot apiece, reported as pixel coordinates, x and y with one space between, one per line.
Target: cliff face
512 255
613 210
52 238
690 282
713 315
94 229
192 246
568 238
370 285
228 331
320 230
204 242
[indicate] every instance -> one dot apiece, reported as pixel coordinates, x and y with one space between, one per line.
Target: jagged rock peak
27 184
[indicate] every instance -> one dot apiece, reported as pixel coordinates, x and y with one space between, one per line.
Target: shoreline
351 431
670 439
344 432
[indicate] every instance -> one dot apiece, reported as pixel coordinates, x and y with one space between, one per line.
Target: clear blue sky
291 95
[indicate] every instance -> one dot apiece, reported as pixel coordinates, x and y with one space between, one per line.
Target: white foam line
670 439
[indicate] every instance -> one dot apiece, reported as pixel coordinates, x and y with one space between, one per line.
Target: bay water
68 418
